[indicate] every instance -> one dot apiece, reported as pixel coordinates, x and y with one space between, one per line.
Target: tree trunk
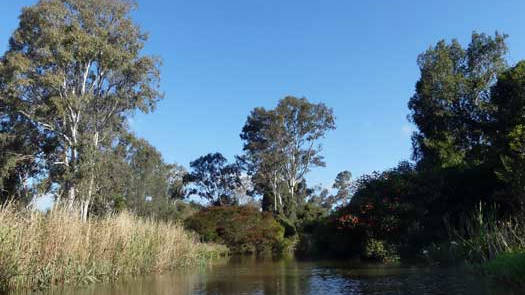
87 201
71 163
84 208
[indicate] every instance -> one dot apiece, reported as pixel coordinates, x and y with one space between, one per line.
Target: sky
221 59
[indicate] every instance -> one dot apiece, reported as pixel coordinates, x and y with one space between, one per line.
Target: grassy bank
38 250
508 268
494 247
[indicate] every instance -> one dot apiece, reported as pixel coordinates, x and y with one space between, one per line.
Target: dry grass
38 250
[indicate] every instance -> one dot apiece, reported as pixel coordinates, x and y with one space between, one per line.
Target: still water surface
246 275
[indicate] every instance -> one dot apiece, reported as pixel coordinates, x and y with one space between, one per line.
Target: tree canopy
74 72
281 146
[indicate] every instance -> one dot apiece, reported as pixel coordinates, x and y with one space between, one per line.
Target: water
248 275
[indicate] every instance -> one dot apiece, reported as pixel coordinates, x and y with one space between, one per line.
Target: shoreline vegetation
39 250
73 75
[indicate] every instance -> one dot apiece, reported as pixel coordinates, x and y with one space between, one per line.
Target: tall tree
74 70
262 158
150 175
450 104
343 185
177 177
214 179
282 145
507 132
20 151
321 196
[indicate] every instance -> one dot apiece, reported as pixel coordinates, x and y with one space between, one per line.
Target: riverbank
39 250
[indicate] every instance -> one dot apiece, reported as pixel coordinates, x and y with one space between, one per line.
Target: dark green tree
451 102
507 133
343 185
214 179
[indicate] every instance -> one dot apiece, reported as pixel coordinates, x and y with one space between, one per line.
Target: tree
214 179
177 176
20 151
322 197
262 158
282 145
450 104
150 175
383 204
132 174
343 185
507 132
74 70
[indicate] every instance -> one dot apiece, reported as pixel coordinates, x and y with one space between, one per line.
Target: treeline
72 77
462 198
459 199
74 74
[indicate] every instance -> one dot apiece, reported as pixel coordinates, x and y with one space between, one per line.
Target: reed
38 250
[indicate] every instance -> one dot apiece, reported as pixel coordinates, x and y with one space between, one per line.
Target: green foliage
132 175
384 207
19 145
214 180
281 146
74 72
508 268
377 250
507 133
450 103
242 229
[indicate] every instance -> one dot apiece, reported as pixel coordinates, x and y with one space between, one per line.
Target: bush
379 251
509 268
38 250
243 229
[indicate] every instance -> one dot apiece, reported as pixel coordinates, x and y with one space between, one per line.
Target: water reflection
249 275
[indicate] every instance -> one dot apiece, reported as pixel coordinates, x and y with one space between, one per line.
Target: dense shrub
243 229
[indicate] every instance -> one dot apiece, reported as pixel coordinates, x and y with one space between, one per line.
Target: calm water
248 275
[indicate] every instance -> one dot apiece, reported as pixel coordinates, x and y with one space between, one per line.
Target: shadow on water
250 275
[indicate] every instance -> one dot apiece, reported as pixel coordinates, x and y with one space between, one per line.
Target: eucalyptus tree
75 71
150 176
262 158
213 179
177 176
20 150
343 186
283 144
322 197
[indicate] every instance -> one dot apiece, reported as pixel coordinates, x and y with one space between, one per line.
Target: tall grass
38 250
485 236
491 239
493 246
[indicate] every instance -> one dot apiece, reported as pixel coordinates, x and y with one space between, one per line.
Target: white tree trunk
89 195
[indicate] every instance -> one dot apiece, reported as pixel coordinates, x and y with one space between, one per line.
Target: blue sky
223 58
